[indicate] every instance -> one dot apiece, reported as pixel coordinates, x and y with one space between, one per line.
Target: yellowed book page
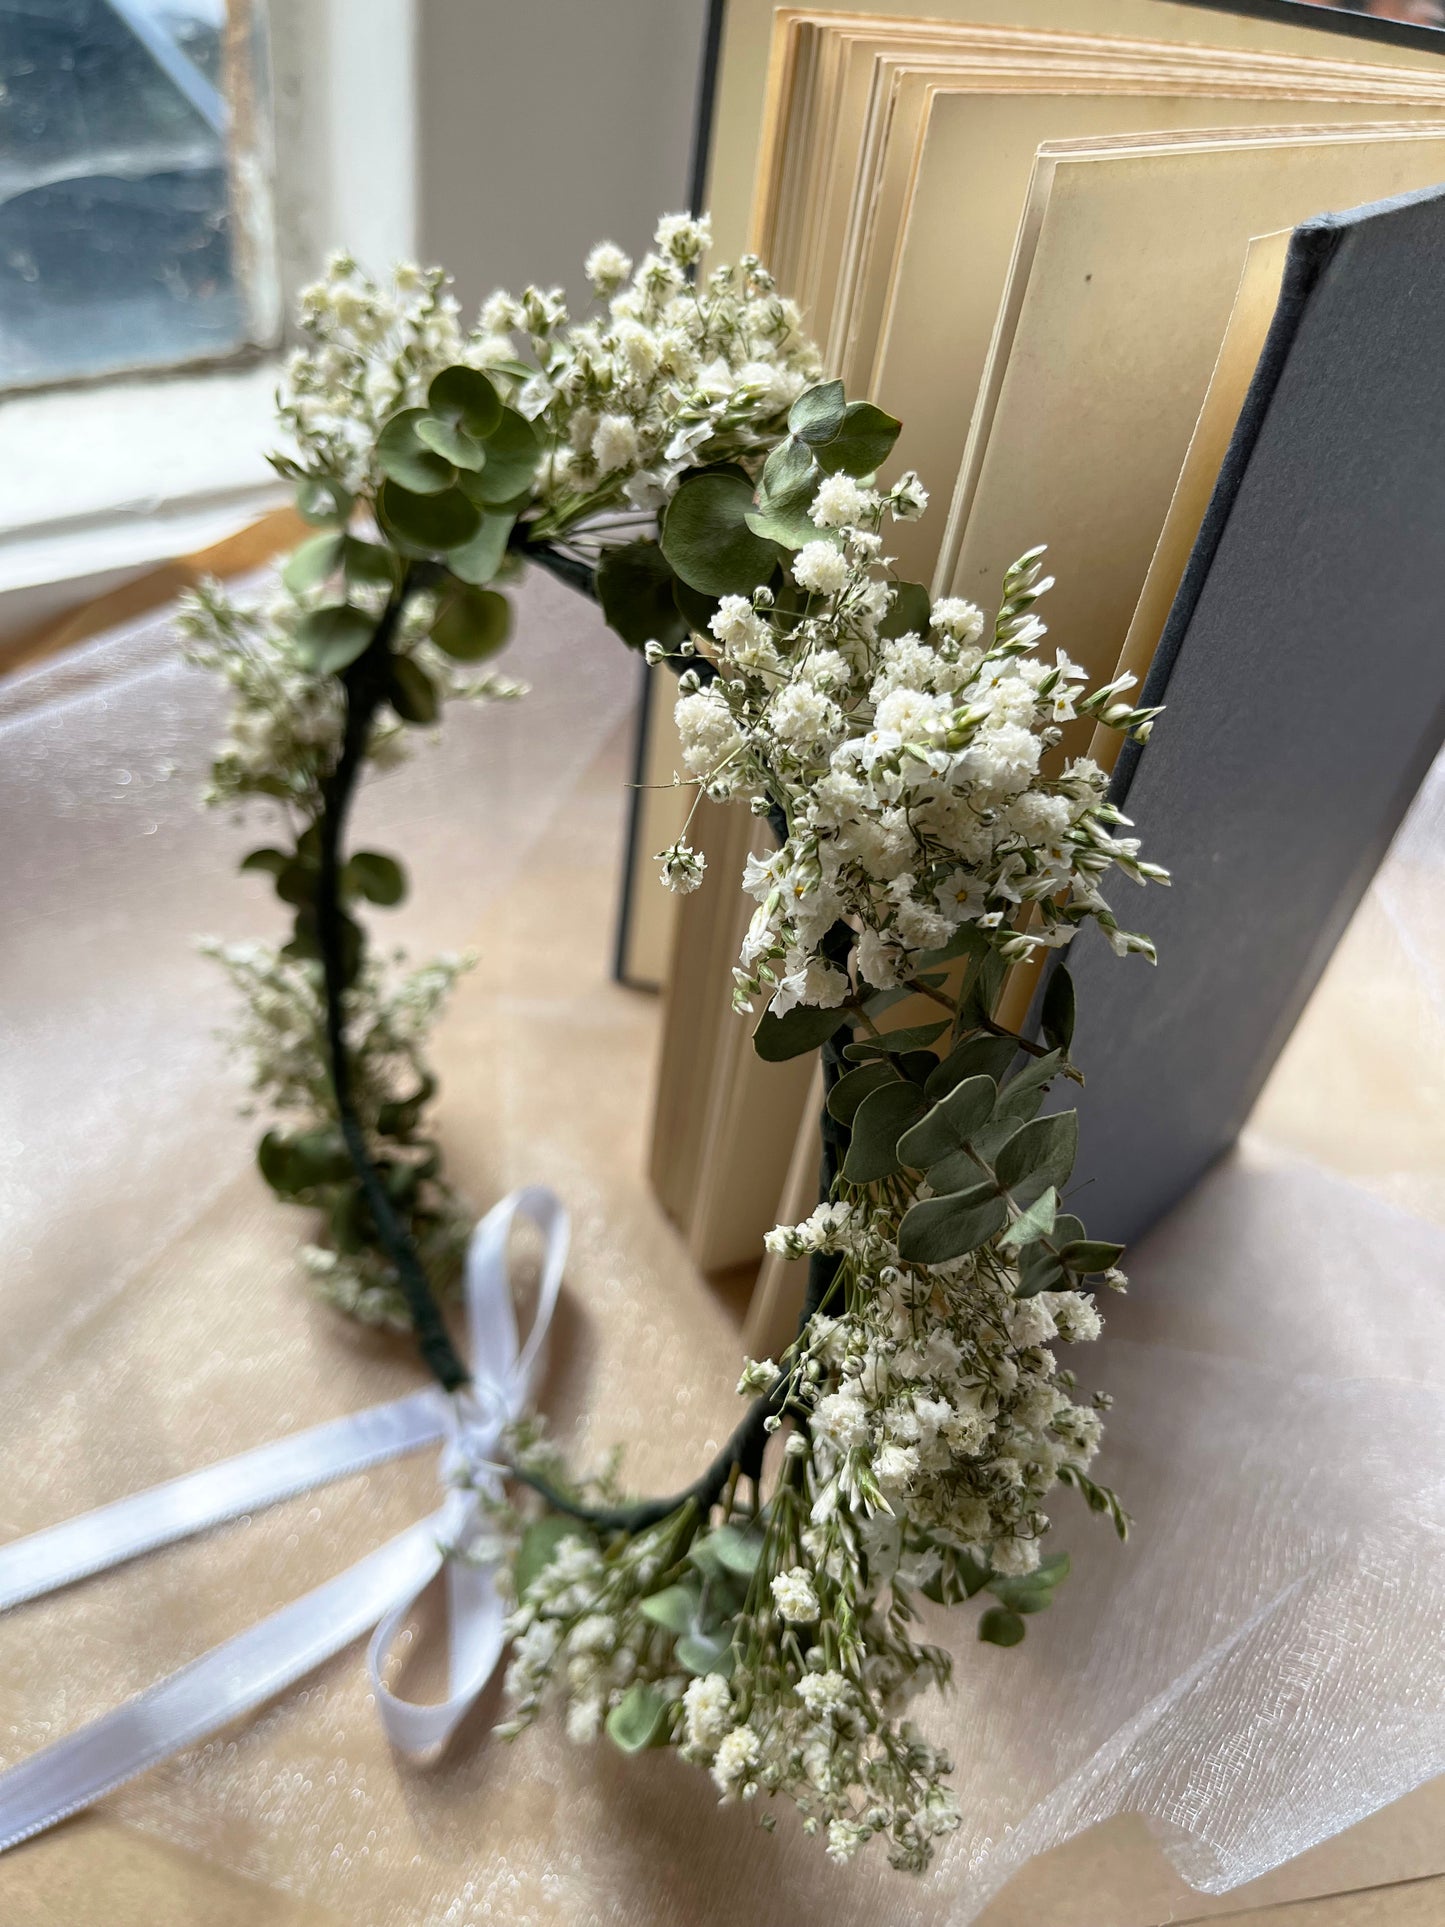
863 181
861 92
662 808
696 1005
940 355
1127 300
1254 307
753 73
906 85
777 1300
754 1111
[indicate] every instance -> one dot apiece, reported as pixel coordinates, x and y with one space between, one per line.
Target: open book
1049 236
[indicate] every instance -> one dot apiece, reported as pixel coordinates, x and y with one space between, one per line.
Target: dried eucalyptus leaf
951 1124
881 1119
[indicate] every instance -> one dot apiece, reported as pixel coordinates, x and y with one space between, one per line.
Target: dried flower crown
681 458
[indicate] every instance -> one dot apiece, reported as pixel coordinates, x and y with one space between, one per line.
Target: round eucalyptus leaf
696 609
634 586
706 538
938 1229
851 1089
817 414
1058 1012
703 1653
1040 1154
322 500
951 1124
738 1551
472 624
273 862
675 1607
1089 1255
427 524
329 639
451 441
405 457
790 476
541 1542
863 442
317 558
411 692
478 560
881 1119
273 1157
465 396
369 564
319 1156
975 1057
513 451
803 1028
790 528
897 1043
635 1720
1000 1627
296 882
378 878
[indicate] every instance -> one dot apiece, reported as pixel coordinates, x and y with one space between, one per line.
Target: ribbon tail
475 1638
230 1680
45 1561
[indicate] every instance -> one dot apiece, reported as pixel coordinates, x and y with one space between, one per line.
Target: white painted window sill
97 483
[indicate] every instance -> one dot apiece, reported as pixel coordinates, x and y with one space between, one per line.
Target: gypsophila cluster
938 826
672 373
283 741
279 1036
675 373
914 769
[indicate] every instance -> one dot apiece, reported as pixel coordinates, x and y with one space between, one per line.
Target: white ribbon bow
380 1591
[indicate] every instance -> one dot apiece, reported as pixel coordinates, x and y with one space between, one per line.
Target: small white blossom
707 1711
682 868
614 443
607 267
737 1754
821 567
795 1597
840 501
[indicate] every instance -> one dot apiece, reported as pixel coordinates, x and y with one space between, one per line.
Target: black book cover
1303 670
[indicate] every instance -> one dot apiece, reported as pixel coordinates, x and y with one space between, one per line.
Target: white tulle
1258 1669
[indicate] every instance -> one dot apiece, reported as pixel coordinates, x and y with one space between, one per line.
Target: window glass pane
133 225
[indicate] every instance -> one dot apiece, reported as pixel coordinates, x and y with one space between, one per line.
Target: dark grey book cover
1303 672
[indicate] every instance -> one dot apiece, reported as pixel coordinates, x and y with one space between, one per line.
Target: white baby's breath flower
614 443
682 867
908 498
707 1711
795 1596
839 501
757 1375
607 267
737 1754
961 620
820 567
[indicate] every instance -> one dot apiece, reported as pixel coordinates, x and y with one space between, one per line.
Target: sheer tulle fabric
1259 1668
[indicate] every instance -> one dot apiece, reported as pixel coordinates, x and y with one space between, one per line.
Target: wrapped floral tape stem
365 683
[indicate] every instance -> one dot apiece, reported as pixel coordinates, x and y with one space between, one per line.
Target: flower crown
680 456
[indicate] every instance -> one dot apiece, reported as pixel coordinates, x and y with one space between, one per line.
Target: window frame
104 477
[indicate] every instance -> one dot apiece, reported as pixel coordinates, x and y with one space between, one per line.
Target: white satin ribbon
380 1591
